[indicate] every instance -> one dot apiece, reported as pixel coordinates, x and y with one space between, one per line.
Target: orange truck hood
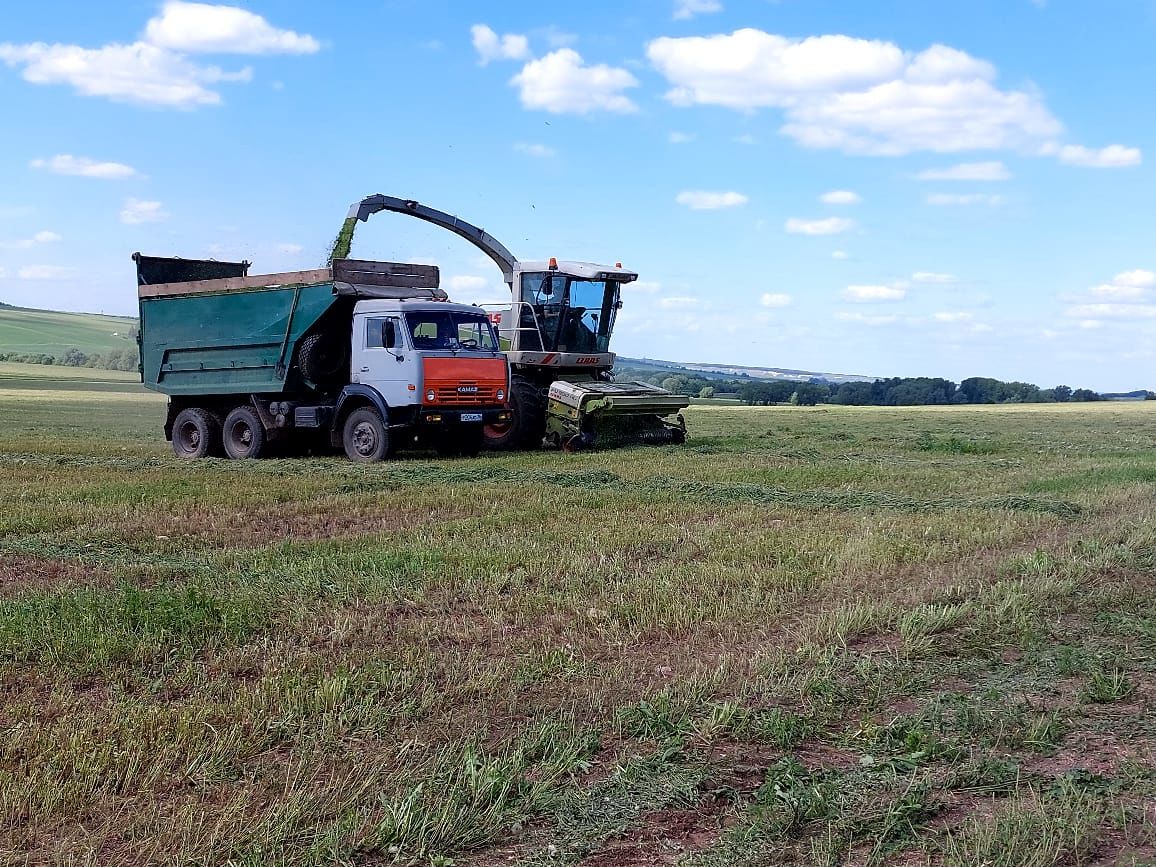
464 380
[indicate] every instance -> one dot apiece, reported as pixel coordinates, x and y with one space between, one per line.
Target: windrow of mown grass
840 636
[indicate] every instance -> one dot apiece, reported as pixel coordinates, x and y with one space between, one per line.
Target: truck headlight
501 394
431 395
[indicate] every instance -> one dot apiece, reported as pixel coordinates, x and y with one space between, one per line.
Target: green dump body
231 342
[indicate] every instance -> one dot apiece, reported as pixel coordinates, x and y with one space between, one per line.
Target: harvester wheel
243 434
365 436
322 358
528 425
196 434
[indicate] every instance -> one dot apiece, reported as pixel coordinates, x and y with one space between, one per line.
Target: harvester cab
555 329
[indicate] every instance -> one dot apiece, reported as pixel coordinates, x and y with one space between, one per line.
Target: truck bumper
432 417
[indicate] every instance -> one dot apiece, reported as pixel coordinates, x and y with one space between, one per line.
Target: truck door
382 359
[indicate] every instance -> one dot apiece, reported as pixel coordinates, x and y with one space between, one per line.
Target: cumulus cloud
45 272
678 303
539 151
828 226
857 95
932 277
562 83
490 46
680 137
157 69
1110 157
705 200
775 299
207 28
953 316
872 294
840 197
866 318
839 255
83 167
44 237
988 171
1141 278
1128 296
951 199
686 9
1112 311
136 211
138 73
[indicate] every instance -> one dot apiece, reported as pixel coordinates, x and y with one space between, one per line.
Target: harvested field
814 636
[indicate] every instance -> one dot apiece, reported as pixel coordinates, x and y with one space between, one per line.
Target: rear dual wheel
196 434
243 434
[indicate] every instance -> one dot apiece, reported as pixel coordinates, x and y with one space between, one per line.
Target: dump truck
555 328
361 355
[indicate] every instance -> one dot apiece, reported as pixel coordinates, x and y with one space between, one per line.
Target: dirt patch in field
661 837
1099 752
21 573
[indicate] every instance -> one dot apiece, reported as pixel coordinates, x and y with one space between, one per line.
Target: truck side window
380 334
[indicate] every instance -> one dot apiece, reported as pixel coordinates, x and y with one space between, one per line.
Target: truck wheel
243 434
365 436
526 429
321 358
196 434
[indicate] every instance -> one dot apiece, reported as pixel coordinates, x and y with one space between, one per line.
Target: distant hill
733 371
28 330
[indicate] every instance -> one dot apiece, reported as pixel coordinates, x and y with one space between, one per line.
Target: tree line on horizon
114 359
896 391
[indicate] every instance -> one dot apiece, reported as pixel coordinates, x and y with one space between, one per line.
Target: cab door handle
365 370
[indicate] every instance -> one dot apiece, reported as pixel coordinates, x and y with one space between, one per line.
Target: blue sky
902 188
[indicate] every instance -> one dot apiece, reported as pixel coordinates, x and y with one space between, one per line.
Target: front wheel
365 436
527 426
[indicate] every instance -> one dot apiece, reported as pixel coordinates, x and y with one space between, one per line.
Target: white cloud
857 95
680 137
1111 157
1117 292
539 151
932 277
45 272
989 171
1112 311
872 294
678 303
1141 278
138 73
686 9
775 299
207 28
468 282
136 211
949 199
953 316
562 83
839 255
705 200
290 249
745 139
490 46
66 164
36 240
829 226
866 318
648 287
840 197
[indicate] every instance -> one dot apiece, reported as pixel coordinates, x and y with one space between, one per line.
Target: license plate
471 416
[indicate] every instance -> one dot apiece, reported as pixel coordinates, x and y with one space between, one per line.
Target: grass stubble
831 636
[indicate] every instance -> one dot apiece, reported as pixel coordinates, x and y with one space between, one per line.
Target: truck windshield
574 314
445 329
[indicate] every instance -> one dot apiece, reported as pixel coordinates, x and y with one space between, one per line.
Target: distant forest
114 359
897 391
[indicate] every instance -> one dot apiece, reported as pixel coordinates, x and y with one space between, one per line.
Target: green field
810 636
52 333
